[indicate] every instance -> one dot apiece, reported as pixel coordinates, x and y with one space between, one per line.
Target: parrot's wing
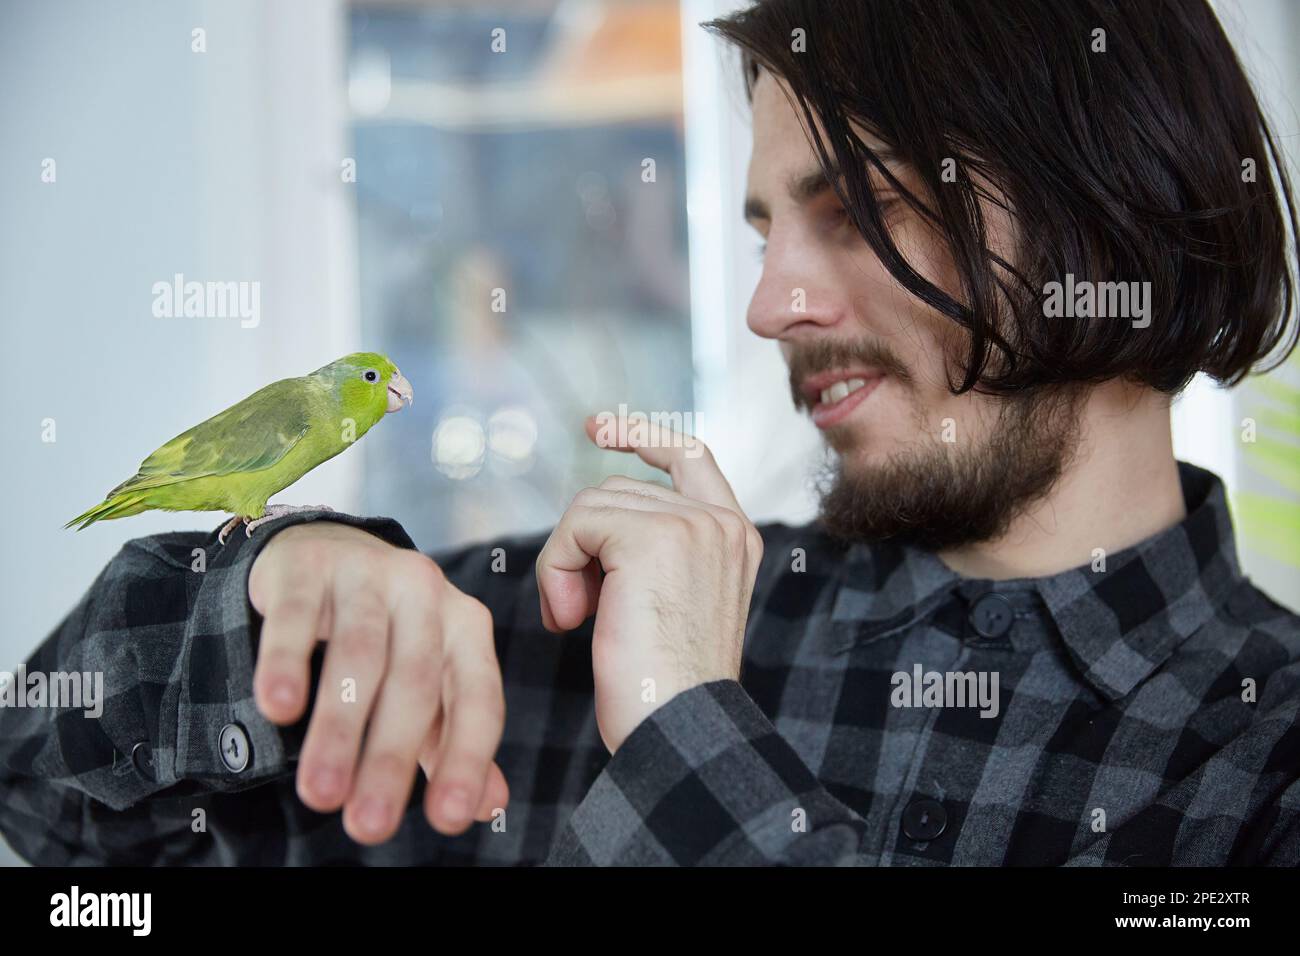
248 436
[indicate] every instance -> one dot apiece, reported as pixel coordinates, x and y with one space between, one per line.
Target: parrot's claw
227 528
279 511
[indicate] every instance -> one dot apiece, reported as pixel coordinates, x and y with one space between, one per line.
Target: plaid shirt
1145 714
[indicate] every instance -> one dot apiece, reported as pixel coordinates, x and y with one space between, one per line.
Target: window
522 249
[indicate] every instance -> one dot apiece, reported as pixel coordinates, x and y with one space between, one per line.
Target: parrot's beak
400 393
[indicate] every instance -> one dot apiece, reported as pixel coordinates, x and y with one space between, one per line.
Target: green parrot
238 458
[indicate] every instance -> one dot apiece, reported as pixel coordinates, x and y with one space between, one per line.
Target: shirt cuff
222 739
705 779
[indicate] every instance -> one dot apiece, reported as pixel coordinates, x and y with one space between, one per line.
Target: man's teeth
841 390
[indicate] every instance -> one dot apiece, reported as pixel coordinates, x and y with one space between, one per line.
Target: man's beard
939 496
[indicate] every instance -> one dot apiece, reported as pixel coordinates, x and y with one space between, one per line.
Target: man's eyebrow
806 187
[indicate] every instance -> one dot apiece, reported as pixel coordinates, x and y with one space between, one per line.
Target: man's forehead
780 136
783 161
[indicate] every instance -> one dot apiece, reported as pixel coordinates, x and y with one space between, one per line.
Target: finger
592 576
496 795
685 458
590 603
290 627
354 664
634 488
566 587
429 749
408 702
647 489
474 711
638 494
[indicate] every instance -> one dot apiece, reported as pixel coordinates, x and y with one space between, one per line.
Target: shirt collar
1119 622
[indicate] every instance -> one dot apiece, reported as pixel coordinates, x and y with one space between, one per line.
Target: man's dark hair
1126 165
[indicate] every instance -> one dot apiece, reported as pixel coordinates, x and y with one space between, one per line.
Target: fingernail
283 694
455 805
373 814
327 784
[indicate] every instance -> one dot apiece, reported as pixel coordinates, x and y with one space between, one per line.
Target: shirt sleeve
706 779
163 646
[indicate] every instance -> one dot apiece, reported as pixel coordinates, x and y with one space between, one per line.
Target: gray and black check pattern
1122 737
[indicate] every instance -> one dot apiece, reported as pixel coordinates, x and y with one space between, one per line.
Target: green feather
240 457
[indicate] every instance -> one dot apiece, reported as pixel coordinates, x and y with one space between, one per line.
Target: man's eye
762 250
887 205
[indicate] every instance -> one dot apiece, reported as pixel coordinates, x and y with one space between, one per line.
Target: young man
1018 634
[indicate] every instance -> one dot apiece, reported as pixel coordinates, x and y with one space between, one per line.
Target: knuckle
365 640
733 525
466 760
634 493
710 524
308 551
681 529
692 447
494 709
363 606
335 734
587 498
420 569
290 605
478 616
485 700
358 570
278 660
419 672
732 530
387 768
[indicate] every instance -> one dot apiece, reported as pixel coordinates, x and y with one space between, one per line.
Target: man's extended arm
169 626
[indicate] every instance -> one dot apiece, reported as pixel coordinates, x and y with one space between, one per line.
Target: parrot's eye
370 375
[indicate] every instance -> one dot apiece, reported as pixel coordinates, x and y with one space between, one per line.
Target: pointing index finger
685 458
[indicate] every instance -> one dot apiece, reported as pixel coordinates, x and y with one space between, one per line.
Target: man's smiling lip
827 410
812 386
825 414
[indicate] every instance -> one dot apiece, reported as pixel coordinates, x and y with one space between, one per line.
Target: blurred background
532 206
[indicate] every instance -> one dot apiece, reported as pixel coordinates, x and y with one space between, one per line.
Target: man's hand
678 570
410 664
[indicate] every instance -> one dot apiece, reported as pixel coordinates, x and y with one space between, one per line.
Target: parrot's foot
227 528
279 511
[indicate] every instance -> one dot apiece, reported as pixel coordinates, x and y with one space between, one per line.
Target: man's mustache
831 354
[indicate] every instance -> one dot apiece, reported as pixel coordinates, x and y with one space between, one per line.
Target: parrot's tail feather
116 506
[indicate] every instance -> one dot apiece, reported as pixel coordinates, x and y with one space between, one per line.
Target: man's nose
794 291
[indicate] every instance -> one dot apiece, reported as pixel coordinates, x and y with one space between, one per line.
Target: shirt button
992 616
924 820
235 749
